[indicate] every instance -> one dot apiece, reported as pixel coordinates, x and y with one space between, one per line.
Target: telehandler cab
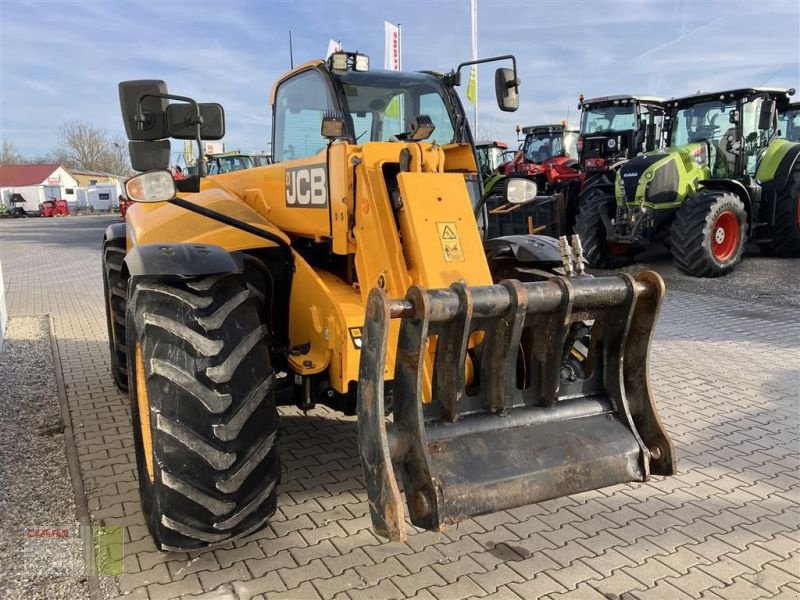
352 273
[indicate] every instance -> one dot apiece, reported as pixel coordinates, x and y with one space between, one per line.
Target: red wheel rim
618 249
725 236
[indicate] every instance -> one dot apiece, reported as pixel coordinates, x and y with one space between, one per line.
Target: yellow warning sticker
451 245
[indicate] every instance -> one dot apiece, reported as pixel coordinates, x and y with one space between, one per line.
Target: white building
37 183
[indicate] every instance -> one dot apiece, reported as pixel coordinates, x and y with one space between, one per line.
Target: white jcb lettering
306 186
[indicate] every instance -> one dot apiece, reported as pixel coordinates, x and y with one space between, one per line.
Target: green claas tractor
789 122
724 179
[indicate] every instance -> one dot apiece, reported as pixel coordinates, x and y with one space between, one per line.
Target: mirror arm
222 218
454 77
141 119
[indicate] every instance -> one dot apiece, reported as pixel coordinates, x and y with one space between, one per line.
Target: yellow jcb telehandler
352 273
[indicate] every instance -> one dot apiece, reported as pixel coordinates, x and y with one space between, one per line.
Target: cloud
63 61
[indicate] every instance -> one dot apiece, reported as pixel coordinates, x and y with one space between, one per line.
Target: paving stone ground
727 380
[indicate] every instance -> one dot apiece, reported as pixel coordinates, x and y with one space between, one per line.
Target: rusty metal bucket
503 428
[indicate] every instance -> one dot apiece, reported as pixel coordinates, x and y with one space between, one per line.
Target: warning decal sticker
451 245
356 335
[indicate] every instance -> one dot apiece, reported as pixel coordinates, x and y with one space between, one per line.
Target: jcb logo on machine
307 187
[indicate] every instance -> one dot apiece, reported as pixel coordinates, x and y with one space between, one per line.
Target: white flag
333 46
391 61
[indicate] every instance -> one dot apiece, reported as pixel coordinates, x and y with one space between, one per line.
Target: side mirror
506 88
520 191
154 186
182 119
149 156
154 109
767 116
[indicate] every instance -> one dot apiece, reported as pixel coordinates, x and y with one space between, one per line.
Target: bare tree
81 145
9 155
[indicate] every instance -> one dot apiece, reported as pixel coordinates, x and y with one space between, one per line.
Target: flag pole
474 19
399 47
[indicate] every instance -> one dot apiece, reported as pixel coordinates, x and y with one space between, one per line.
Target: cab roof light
343 61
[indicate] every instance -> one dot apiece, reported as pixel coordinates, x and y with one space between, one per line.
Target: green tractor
724 178
789 122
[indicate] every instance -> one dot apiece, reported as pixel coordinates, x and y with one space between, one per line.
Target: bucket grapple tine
409 425
637 377
385 503
550 330
499 356
451 355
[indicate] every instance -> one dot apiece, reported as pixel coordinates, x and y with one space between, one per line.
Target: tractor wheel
203 410
709 233
116 293
589 226
786 231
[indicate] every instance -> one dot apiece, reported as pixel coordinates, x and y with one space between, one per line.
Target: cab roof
612 99
553 128
491 144
781 95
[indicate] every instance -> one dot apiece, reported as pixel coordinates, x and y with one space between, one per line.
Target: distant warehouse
37 183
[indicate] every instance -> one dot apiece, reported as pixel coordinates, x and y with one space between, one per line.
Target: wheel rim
143 402
725 236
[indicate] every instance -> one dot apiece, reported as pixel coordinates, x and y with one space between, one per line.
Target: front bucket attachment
504 426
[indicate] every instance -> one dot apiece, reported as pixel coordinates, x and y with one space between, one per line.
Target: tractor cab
616 128
544 145
490 157
734 128
227 162
789 122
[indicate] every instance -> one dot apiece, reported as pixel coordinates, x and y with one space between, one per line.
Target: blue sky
62 60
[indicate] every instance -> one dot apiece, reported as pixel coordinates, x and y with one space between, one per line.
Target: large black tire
203 410
785 233
593 203
709 233
116 292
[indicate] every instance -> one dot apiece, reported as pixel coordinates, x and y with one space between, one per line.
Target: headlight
520 191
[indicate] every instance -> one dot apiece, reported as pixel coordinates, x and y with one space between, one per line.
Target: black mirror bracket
141 120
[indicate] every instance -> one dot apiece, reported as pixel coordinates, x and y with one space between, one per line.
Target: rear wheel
115 292
601 254
203 406
709 233
786 231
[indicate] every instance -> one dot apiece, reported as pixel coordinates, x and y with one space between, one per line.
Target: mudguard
774 169
525 248
115 231
181 259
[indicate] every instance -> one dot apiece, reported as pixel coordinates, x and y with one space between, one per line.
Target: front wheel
203 406
709 233
600 253
116 293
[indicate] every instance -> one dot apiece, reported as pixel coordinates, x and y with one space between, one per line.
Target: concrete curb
81 504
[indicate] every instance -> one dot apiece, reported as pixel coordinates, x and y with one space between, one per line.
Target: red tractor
548 156
54 207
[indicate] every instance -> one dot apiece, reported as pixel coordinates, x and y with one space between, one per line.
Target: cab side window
300 105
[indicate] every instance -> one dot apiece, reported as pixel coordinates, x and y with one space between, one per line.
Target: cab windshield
600 119
789 124
704 121
381 105
538 147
